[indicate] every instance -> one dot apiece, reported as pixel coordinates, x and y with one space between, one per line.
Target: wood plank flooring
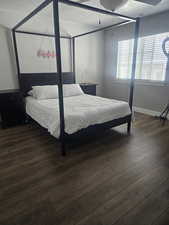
109 178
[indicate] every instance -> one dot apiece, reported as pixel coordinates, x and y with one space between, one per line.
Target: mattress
80 112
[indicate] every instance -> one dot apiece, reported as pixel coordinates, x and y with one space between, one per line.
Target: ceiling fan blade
149 2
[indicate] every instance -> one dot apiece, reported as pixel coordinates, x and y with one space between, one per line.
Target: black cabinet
11 108
88 88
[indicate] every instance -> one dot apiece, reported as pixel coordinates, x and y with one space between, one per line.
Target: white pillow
72 90
45 92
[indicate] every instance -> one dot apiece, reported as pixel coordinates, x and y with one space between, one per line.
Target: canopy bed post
59 71
14 31
16 54
73 58
136 35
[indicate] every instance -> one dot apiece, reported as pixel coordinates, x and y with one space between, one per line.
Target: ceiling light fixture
113 4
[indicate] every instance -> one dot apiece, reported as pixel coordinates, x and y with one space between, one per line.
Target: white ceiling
136 9
12 11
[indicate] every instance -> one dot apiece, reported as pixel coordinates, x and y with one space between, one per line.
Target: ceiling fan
115 4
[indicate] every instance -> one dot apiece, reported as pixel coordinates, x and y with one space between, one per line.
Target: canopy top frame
127 19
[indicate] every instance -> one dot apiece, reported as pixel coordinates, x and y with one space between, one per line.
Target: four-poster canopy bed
27 80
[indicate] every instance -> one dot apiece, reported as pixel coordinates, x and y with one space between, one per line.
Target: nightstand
11 108
88 88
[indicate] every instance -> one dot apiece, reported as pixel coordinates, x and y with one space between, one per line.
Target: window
124 59
151 61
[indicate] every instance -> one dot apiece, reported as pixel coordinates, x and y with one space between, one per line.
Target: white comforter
80 112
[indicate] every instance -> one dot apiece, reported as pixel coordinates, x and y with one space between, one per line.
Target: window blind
151 61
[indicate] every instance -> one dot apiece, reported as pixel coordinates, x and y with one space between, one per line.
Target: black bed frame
26 80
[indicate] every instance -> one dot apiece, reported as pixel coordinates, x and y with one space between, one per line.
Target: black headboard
27 80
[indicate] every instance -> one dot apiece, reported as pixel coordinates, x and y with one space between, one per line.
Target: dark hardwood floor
110 179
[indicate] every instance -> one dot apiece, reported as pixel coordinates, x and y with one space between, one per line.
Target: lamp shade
113 4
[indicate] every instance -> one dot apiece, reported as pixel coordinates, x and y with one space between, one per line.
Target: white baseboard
147 111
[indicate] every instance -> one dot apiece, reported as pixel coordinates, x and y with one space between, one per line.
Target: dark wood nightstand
11 108
88 88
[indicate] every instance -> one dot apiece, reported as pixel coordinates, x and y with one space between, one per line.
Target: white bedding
80 112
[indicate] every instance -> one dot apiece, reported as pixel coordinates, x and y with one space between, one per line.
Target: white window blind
124 59
151 61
